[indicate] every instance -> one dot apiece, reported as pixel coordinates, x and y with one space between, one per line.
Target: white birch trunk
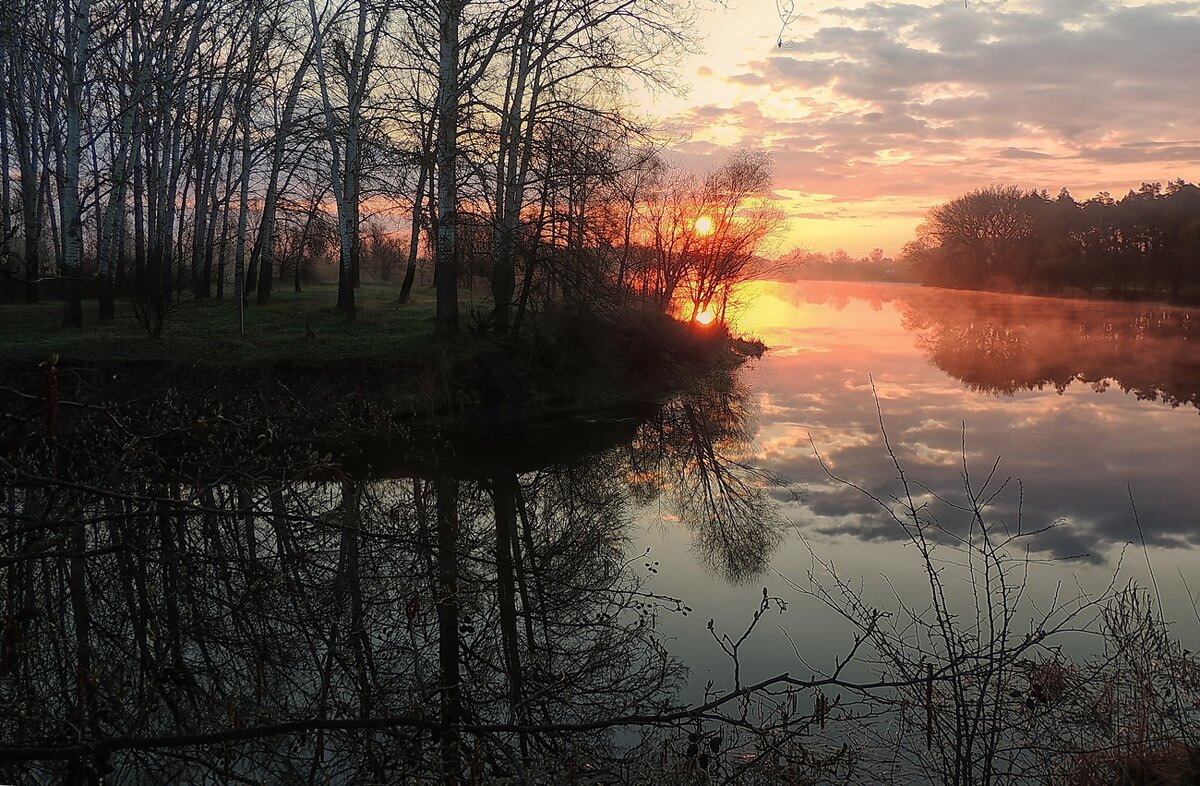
78 40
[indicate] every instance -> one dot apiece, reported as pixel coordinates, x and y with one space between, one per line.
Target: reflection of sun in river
704 226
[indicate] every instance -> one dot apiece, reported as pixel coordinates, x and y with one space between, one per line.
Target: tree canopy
1146 243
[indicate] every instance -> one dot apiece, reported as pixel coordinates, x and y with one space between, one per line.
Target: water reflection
1005 345
187 598
462 615
699 451
1035 382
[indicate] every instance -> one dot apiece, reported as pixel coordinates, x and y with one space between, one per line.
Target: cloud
1017 154
1138 151
926 102
748 79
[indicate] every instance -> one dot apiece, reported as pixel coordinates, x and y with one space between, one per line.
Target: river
1077 418
914 521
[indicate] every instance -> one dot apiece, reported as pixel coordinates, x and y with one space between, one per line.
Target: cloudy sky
877 111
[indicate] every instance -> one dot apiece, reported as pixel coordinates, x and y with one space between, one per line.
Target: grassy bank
292 328
303 365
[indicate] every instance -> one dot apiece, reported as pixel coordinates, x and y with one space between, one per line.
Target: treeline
163 150
802 265
1146 244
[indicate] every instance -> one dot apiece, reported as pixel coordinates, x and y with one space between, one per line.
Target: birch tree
77 42
345 150
26 29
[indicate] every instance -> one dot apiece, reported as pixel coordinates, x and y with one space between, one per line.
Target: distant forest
801 265
1146 244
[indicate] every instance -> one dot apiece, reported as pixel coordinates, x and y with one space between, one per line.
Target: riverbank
293 327
303 376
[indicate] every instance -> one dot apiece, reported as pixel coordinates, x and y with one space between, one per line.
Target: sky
876 111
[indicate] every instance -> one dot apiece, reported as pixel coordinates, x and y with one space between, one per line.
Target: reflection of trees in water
214 611
839 294
698 450
251 624
1005 345
325 629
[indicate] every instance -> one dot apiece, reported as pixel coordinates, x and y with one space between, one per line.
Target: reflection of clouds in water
1075 448
778 449
803 349
767 407
928 455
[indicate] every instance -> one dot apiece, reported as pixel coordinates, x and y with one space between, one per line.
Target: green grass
566 358
206 331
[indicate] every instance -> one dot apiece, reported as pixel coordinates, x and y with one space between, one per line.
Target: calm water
1085 406
179 606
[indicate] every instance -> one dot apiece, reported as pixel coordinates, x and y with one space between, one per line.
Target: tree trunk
445 267
107 249
414 241
139 213
106 261
511 167
239 256
239 265
345 302
25 141
85 682
266 231
504 493
5 180
223 244
448 633
32 234
72 213
200 234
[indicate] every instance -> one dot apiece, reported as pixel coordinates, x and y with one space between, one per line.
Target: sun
705 317
704 226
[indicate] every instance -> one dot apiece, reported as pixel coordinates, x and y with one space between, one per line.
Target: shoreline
470 389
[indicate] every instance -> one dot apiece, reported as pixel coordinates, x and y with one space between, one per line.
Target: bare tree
356 69
738 216
283 132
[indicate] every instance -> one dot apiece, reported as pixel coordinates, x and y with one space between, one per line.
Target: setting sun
705 317
704 226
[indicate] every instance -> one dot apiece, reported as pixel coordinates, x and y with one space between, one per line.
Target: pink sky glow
875 112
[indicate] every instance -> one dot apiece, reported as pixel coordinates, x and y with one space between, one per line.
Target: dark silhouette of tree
1142 245
982 233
